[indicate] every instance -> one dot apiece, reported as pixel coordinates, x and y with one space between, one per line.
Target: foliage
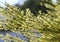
36 5
32 27
58 2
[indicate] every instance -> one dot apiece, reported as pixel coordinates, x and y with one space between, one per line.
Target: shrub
32 27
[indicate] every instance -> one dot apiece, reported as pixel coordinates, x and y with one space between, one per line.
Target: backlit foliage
43 28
